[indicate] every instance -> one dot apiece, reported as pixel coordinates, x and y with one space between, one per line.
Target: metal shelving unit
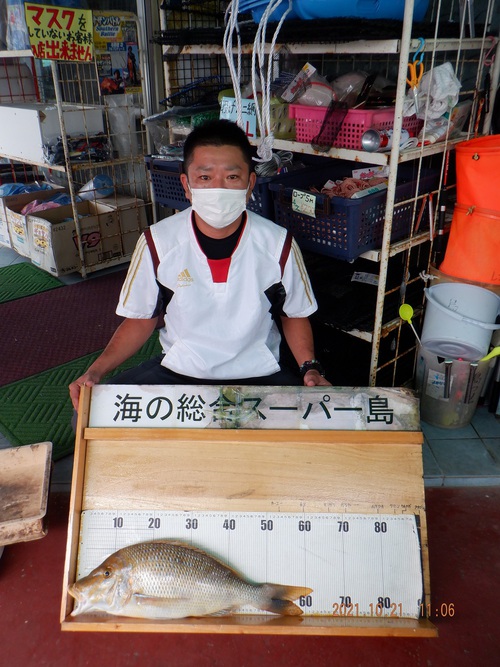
468 56
77 85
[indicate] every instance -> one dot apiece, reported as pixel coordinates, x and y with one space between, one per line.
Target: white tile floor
469 456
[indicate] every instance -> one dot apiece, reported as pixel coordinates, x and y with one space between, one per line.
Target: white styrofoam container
25 129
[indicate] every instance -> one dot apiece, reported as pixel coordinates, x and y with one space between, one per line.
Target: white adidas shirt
217 327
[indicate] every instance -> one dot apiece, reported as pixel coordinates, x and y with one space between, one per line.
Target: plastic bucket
449 389
459 320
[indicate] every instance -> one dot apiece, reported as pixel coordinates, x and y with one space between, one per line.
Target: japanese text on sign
186 406
228 111
304 202
59 33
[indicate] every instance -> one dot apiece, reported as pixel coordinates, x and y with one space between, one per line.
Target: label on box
229 112
435 385
298 84
370 172
363 277
304 202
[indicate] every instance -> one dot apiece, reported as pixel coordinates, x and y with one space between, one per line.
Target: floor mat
24 279
48 329
38 408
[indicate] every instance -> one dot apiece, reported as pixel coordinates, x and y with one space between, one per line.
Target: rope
264 150
280 161
232 27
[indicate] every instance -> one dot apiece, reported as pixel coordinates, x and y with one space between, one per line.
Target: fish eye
107 574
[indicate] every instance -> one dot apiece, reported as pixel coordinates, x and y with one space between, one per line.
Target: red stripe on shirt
219 269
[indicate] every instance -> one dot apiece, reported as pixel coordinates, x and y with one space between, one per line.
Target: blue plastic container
321 9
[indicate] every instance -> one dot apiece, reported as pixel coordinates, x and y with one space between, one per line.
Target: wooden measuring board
339 511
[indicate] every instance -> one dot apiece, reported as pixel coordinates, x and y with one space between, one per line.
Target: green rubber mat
24 279
38 408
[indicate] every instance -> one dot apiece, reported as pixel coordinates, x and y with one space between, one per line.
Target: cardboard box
25 129
131 212
16 223
54 243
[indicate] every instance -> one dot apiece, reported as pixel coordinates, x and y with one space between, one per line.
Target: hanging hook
419 51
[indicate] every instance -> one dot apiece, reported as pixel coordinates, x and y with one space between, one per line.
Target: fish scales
166 579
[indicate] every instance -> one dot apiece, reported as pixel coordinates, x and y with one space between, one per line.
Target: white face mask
218 207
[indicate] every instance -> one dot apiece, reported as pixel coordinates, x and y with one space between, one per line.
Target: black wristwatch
312 365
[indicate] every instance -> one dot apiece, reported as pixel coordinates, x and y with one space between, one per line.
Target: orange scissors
416 71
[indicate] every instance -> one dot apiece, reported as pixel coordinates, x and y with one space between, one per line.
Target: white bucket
459 320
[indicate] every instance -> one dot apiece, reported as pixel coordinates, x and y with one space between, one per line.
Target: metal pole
69 170
391 186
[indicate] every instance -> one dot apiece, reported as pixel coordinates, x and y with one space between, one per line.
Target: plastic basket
166 182
168 190
308 122
345 228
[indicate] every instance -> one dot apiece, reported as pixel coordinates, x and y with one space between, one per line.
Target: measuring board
339 511
357 565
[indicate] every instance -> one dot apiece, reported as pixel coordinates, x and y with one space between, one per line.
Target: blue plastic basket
345 228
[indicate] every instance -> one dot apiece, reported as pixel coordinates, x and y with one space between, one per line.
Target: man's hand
88 379
313 378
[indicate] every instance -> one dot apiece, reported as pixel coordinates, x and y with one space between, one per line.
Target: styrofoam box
131 212
25 129
15 223
54 245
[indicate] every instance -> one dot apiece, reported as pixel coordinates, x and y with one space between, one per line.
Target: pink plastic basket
308 122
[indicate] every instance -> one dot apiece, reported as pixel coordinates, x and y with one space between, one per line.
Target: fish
167 579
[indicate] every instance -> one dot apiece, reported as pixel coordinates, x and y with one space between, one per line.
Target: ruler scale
356 564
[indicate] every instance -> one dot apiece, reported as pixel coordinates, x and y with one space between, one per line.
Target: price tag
304 202
228 111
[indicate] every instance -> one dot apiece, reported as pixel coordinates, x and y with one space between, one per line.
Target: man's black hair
217 133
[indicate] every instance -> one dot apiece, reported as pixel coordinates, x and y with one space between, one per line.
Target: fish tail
279 599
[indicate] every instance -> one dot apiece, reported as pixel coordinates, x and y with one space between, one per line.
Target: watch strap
312 364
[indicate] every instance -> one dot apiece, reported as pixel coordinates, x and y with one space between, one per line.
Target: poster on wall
117 53
59 33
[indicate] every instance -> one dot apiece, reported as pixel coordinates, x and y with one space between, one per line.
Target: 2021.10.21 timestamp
383 607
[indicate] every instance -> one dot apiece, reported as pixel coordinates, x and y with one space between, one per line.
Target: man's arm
298 334
127 339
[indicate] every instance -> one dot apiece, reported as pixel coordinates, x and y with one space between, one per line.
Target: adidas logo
184 279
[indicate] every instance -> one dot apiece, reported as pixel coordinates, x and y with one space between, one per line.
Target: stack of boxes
109 230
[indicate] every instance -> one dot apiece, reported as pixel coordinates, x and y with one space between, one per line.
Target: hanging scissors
416 70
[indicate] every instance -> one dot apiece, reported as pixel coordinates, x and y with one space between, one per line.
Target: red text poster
59 33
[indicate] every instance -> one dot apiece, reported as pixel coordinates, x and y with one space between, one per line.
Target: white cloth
217 330
438 93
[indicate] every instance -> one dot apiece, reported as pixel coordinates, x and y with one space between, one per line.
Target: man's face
218 167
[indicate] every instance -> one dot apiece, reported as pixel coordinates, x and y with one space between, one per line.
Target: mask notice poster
117 53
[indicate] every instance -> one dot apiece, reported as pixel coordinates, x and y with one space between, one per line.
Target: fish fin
279 599
153 601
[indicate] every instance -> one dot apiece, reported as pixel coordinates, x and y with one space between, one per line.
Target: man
226 281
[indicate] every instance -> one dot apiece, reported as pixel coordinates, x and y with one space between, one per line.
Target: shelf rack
468 55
